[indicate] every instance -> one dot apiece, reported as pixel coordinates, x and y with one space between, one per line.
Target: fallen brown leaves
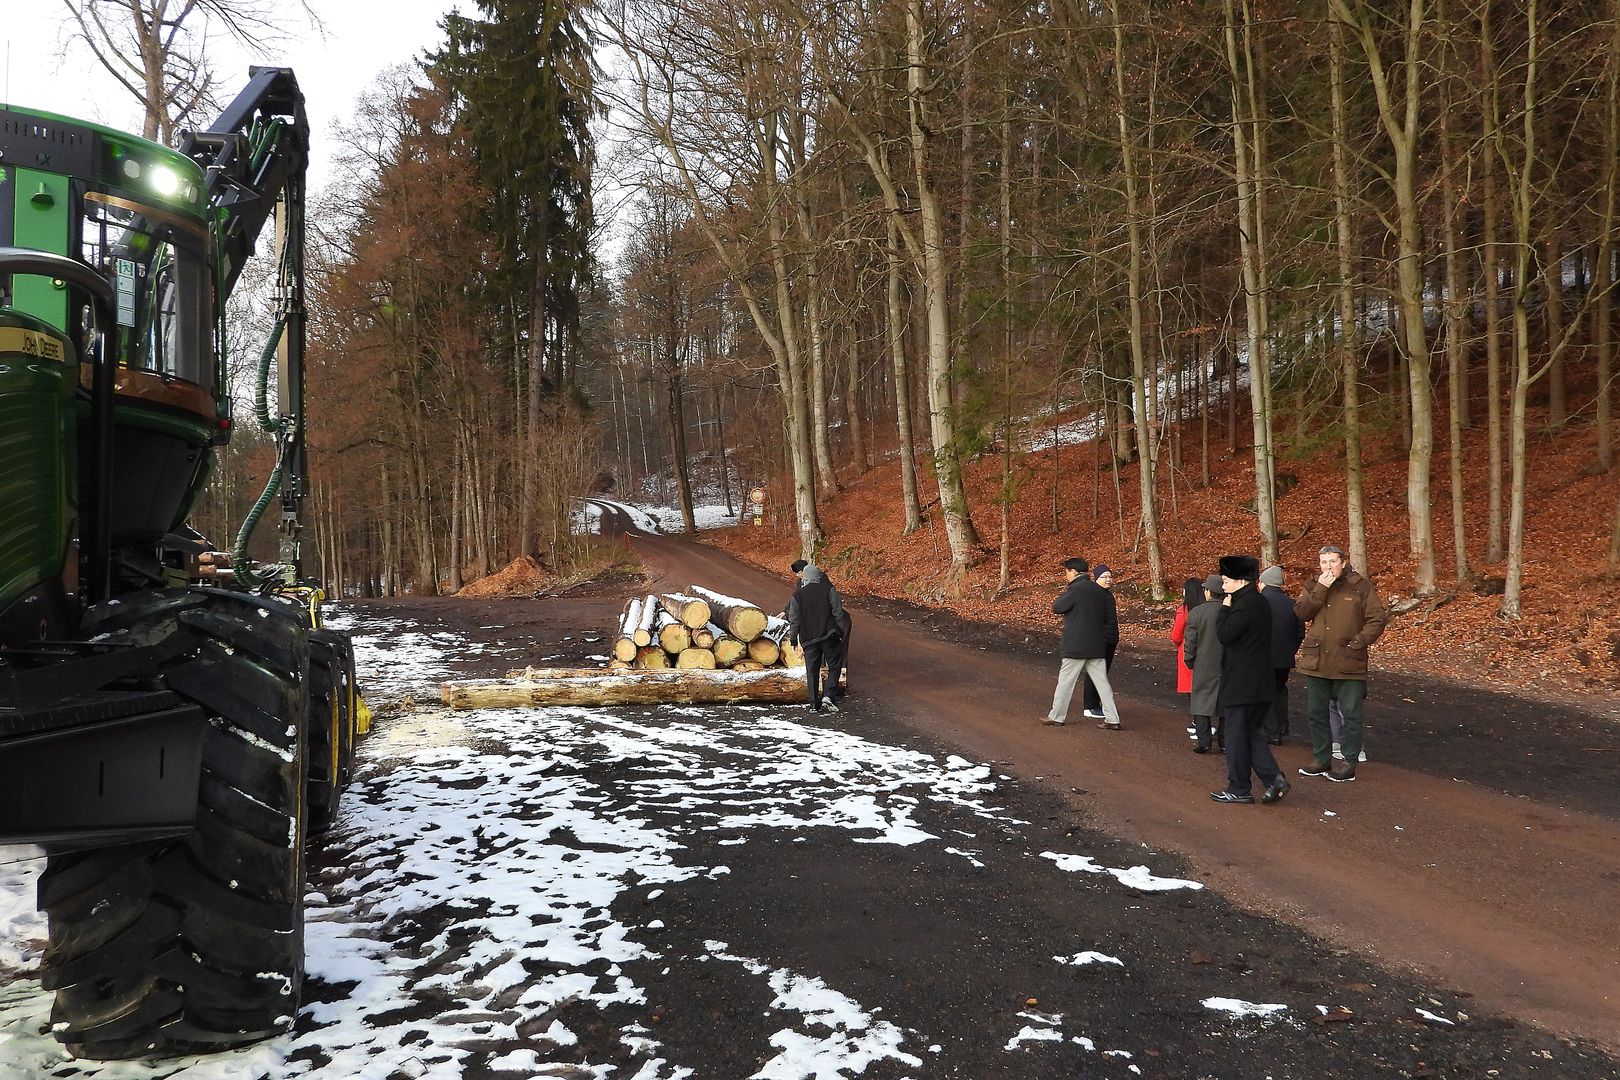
1567 641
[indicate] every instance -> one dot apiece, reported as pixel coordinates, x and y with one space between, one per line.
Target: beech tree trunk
1140 382
1346 339
959 531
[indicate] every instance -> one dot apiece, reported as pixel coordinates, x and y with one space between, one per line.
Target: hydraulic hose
239 559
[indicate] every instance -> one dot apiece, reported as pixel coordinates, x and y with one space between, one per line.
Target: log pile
696 646
700 629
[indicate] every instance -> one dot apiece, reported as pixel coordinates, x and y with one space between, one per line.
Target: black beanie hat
797 565
1240 567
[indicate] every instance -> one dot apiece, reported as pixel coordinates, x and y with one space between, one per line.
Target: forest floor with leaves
1566 644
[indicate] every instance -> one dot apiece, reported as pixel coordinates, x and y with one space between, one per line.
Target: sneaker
1275 794
1201 748
1051 722
1338 752
1228 797
1315 768
1094 714
1106 726
829 705
1342 776
1363 756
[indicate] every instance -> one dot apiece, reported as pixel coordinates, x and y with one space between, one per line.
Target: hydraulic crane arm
254 158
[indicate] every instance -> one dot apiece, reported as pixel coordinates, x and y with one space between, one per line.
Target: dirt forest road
1512 899
928 885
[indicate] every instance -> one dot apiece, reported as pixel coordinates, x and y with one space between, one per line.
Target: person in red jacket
1192 594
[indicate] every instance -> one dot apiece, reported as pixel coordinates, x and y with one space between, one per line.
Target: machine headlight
165 181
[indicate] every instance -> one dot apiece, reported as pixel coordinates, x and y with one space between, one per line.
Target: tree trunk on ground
779 686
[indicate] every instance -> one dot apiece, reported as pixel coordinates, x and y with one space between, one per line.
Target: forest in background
927 235
938 226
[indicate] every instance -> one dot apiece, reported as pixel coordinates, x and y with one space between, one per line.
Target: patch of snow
1136 877
1241 1008
1081 959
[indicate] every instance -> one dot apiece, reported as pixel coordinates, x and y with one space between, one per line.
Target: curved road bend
1509 899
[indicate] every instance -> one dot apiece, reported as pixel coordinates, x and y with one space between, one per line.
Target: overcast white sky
43 68
40 68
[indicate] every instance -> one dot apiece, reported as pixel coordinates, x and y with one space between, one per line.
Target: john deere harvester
169 741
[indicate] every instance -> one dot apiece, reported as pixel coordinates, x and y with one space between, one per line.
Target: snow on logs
690 611
741 620
699 686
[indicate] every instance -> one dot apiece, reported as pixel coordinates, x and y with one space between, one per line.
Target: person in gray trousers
1089 624
1202 650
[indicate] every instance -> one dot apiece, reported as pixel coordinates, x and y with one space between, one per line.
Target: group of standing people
1239 637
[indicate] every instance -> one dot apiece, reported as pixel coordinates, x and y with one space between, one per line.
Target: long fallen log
771 686
742 620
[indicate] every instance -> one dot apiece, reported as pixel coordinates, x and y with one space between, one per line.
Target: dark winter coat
816 610
1244 630
1090 625
1286 629
1344 620
1203 651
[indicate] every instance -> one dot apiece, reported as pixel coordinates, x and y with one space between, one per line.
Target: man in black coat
1104 577
814 615
1248 683
1089 624
1286 634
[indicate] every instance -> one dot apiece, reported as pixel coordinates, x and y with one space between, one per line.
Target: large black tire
196 944
331 725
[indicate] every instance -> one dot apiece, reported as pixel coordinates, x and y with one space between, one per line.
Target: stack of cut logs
700 629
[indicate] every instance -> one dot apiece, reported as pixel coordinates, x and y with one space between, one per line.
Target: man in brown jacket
1344 617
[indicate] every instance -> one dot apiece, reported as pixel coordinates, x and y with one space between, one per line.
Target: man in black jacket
814 616
1089 624
1248 683
1286 634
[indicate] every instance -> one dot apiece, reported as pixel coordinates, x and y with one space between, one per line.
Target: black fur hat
1240 567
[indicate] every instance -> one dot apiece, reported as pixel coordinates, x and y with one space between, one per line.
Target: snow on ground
667 519
465 900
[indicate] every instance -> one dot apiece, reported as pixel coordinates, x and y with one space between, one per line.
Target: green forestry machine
169 739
